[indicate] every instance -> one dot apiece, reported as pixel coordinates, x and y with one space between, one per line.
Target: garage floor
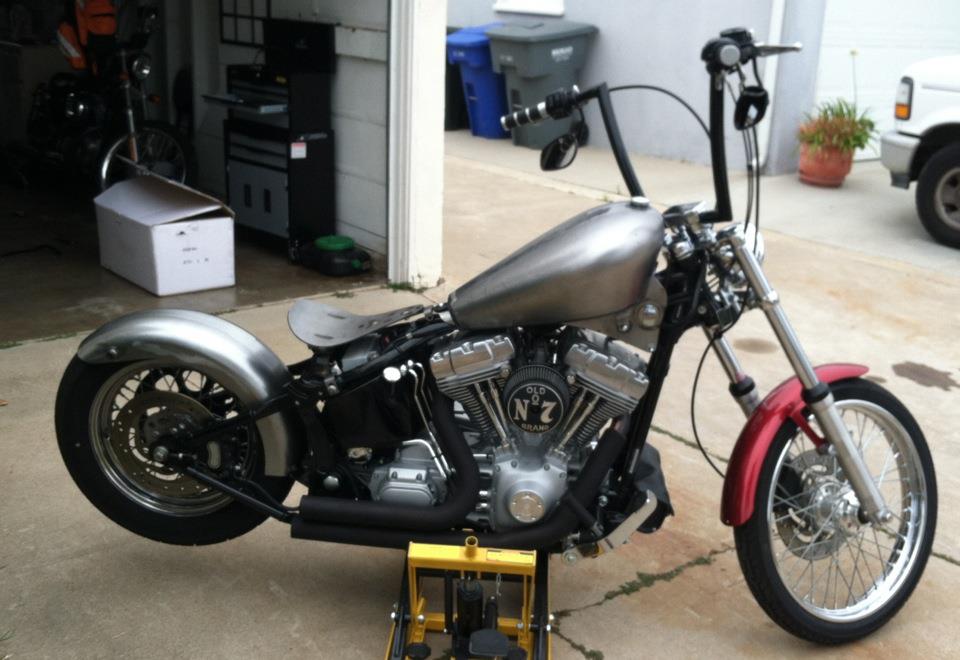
76 586
52 284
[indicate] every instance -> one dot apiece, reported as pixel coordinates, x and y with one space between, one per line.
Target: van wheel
938 196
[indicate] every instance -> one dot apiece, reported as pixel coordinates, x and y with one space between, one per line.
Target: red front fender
743 472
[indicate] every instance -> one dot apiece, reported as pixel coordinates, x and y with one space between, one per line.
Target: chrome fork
816 393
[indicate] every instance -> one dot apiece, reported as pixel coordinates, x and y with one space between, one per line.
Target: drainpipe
769 78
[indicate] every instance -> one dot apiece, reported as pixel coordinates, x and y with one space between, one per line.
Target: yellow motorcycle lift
472 621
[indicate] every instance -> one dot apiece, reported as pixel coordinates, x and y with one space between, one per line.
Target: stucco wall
658 43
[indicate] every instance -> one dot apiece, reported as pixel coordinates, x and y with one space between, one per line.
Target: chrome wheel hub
135 421
140 424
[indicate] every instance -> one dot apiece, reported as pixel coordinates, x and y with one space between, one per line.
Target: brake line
654 88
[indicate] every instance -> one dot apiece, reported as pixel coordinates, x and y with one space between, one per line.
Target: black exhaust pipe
561 522
335 510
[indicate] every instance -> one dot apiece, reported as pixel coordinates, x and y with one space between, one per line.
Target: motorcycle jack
474 624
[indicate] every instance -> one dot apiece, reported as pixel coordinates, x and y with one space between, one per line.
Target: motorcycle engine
536 410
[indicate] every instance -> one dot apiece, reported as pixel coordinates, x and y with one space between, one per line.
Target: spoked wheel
811 559
160 150
115 424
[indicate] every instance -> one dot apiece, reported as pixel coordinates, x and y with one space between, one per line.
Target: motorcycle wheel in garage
161 150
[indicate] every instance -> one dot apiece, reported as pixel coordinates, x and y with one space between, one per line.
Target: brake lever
766 50
751 107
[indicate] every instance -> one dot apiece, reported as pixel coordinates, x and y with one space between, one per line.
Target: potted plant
828 140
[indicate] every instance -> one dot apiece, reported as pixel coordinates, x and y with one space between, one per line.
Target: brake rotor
812 526
146 418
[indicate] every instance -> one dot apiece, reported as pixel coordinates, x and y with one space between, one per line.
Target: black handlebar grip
526 116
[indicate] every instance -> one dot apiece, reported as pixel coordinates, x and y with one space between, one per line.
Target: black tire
182 141
756 553
945 163
76 397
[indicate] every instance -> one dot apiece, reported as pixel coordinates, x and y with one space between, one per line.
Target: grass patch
9 344
65 335
404 286
946 558
589 654
343 294
646 580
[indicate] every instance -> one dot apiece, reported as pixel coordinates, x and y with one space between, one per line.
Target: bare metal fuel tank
596 263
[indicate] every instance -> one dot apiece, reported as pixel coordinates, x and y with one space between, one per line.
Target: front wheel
161 149
109 419
814 564
938 195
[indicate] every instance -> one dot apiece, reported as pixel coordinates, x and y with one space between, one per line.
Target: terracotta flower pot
826 166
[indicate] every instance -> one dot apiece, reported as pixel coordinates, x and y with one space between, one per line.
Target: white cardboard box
164 236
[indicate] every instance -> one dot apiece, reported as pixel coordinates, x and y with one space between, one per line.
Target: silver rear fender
229 354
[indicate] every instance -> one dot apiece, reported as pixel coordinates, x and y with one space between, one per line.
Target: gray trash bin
539 57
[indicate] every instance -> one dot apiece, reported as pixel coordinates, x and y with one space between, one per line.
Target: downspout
778 9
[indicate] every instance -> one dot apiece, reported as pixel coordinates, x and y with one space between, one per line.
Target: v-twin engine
535 413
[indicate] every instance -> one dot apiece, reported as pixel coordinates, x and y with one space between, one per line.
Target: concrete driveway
72 584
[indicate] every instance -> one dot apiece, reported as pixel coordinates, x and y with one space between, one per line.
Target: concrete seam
686 441
589 654
646 580
643 581
947 558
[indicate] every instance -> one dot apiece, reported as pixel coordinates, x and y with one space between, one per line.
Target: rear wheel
108 420
813 563
938 195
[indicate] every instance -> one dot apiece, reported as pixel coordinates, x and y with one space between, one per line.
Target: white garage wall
359 105
887 35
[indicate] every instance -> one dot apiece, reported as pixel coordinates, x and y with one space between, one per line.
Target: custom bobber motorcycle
518 411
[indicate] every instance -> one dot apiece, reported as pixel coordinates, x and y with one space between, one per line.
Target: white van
925 145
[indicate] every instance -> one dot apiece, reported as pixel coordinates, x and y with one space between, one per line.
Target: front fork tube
816 394
742 387
128 104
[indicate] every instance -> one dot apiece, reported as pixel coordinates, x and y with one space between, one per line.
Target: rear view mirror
562 151
559 153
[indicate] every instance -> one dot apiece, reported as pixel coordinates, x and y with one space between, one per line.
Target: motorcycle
95 123
518 411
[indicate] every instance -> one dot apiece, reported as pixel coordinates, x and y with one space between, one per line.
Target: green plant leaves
837 124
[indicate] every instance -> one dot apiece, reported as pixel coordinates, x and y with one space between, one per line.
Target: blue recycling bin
483 90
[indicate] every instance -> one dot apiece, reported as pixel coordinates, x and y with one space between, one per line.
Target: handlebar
526 116
557 105
722 55
766 50
735 47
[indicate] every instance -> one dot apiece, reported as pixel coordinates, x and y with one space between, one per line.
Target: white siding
887 35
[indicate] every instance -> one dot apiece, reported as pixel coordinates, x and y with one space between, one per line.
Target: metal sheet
324 326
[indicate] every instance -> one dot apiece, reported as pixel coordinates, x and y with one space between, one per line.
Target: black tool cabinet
278 140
